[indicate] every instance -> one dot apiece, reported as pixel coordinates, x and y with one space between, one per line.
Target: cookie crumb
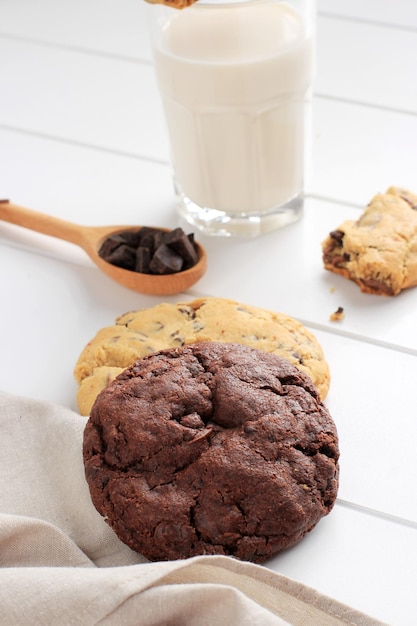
338 315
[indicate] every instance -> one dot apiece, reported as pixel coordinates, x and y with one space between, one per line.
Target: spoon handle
40 222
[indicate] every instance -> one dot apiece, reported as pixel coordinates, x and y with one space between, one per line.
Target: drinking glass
235 78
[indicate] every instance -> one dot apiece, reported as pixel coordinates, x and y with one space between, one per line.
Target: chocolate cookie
379 250
168 325
211 448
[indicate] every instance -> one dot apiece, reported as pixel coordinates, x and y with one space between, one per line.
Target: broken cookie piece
175 4
379 250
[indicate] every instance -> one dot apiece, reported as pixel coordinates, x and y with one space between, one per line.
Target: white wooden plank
366 63
105 102
118 27
84 185
401 13
370 398
359 151
90 187
366 562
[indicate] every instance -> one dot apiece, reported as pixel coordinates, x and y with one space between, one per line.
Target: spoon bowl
90 239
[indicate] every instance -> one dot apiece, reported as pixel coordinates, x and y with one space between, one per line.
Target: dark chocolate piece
143 259
178 241
109 245
165 261
123 256
131 237
151 239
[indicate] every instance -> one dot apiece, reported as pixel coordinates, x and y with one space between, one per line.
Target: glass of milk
235 79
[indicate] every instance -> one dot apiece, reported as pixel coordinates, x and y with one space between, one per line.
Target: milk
233 81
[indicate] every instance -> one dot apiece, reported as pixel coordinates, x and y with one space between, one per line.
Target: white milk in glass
234 81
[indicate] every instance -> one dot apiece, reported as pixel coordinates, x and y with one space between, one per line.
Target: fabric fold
62 564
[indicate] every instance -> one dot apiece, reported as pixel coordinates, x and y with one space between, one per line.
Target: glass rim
210 4
304 6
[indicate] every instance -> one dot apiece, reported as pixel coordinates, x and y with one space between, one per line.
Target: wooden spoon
90 239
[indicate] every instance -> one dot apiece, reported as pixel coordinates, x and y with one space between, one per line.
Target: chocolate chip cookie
138 333
211 448
379 250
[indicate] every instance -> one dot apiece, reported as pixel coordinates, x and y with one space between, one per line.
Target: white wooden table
82 137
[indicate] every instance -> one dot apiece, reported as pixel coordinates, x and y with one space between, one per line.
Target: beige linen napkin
60 563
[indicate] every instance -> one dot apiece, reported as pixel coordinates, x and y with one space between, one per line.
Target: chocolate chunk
132 238
178 241
152 239
165 261
123 256
143 259
338 260
377 286
330 251
109 245
337 236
